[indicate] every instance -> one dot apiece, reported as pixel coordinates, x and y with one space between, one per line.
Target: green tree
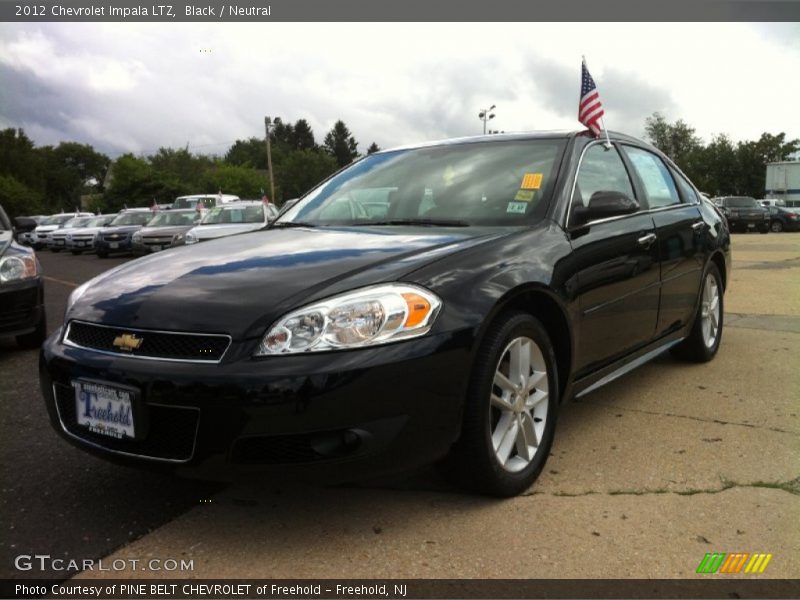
251 152
303 138
17 199
19 159
677 140
302 170
341 144
232 179
373 148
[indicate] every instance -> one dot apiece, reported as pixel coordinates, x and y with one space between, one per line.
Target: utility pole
268 125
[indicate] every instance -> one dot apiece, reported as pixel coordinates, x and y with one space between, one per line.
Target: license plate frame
113 245
108 408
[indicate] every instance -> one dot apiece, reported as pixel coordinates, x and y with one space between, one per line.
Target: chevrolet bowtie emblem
127 341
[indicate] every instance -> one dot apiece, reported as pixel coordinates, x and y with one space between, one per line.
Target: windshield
172 218
76 222
486 183
137 218
742 202
97 222
56 219
234 214
191 202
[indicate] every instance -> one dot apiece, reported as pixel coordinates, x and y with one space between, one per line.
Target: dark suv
744 213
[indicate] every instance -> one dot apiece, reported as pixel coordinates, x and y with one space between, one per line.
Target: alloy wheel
710 310
519 402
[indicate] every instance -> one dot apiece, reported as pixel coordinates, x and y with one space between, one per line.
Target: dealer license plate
104 409
113 244
80 244
155 248
751 225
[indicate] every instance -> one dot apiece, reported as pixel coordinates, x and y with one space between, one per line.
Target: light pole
268 125
485 115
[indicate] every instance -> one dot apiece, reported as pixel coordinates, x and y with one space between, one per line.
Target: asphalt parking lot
646 475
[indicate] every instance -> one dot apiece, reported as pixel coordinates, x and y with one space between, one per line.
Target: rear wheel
703 341
776 226
510 410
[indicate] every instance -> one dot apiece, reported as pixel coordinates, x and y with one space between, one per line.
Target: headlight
178 238
17 267
191 238
367 317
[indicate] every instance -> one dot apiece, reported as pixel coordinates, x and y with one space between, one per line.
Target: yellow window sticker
531 181
517 207
524 195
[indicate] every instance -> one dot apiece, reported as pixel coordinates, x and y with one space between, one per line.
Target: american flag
590 109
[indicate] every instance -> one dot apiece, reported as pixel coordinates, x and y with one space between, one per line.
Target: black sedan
784 219
503 275
22 312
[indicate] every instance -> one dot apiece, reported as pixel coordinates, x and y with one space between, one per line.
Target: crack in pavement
701 419
791 487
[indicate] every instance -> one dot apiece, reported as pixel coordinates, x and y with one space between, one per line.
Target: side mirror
603 205
23 225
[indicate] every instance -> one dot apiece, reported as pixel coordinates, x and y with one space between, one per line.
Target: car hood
120 229
85 230
239 285
45 228
164 231
209 232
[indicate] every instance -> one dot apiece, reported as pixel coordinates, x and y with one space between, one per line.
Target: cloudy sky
136 87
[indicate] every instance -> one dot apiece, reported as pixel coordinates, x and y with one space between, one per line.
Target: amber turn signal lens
418 309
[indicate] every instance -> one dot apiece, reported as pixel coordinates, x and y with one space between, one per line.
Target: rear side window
684 187
654 175
601 170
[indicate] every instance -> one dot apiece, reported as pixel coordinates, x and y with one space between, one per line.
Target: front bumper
329 416
80 245
56 243
111 246
22 306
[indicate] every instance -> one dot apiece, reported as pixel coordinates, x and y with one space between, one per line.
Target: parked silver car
81 240
57 240
42 233
232 218
164 230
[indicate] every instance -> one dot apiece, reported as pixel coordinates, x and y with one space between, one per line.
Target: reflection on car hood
241 284
120 229
208 232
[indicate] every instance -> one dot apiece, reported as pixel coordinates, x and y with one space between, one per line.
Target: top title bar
408 10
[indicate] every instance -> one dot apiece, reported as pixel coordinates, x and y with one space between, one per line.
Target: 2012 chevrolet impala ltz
429 303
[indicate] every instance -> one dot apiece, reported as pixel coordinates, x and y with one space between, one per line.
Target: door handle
699 226
646 240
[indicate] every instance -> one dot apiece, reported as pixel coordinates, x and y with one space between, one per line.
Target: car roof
518 136
240 204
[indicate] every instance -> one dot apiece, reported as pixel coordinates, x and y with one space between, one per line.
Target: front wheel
36 338
764 229
703 341
776 226
510 410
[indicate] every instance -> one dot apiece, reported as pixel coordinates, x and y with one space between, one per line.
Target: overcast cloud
136 87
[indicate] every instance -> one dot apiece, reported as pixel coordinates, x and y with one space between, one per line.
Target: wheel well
720 262
552 318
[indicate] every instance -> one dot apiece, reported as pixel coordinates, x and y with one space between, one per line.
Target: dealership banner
409 10
399 589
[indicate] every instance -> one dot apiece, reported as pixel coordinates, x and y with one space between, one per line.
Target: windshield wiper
423 222
288 224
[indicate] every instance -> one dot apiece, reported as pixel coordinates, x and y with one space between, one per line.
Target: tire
700 346
33 340
494 410
776 226
764 229
75 252
55 250
102 254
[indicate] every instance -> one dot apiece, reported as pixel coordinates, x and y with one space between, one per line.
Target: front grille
18 305
9 317
165 345
82 238
170 436
157 241
115 237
